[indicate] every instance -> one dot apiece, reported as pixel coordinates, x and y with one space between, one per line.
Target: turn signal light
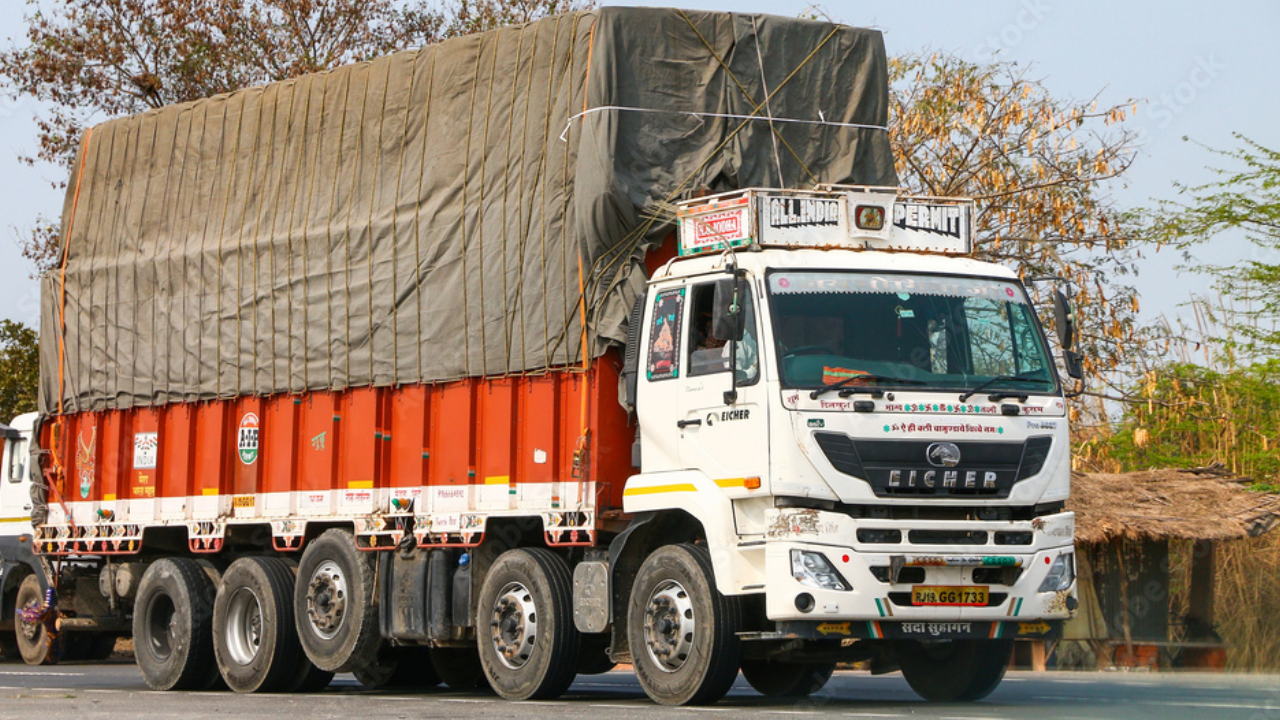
752 483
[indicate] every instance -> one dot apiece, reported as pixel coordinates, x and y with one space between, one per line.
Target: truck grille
896 468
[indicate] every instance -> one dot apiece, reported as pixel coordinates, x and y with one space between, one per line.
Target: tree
19 369
90 60
1244 320
1037 167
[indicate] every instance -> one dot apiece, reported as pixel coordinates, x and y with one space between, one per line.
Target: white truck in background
31 629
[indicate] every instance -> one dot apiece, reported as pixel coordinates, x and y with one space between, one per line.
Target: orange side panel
453 434
408 430
317 467
210 460
496 432
500 431
355 438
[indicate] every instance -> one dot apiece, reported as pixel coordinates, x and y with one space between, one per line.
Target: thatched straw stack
1199 504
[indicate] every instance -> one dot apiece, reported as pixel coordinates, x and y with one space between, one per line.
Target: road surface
115 690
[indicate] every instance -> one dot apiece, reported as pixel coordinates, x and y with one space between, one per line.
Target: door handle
685 423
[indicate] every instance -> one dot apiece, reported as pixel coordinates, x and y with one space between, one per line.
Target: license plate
949 595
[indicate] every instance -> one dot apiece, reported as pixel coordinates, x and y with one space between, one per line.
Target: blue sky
1200 70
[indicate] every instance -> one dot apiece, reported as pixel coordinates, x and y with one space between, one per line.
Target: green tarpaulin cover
422 217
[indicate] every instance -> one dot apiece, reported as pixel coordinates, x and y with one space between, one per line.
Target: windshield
932 332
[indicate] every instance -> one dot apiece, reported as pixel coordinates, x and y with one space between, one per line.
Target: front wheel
682 631
787 680
954 670
530 646
34 641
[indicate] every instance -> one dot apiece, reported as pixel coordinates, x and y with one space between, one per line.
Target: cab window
709 354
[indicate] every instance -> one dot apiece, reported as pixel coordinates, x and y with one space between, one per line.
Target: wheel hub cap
514 625
669 626
244 626
327 599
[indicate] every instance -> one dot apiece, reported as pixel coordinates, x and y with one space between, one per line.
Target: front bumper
882 592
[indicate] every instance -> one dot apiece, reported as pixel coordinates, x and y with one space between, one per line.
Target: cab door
727 441
15 487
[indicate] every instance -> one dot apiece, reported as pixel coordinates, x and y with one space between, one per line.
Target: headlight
812 569
1061 574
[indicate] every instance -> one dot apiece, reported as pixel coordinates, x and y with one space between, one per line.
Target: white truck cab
15 476
889 460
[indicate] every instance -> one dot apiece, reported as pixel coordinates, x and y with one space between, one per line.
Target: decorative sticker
84 460
247 439
145 450
664 335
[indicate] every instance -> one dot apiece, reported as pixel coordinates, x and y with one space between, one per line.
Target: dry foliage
1037 166
1248 602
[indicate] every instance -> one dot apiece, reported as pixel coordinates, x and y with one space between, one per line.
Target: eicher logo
943 454
803 212
938 219
727 416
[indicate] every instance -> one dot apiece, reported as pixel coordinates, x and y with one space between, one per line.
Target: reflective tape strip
360 485
732 482
498 480
656 489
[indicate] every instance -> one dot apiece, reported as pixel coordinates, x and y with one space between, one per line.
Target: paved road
76 691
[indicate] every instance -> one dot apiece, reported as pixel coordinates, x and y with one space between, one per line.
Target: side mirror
1074 366
728 321
1065 318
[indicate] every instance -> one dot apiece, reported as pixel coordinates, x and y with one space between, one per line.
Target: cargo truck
421 370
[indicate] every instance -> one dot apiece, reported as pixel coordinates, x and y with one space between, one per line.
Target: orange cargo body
438 461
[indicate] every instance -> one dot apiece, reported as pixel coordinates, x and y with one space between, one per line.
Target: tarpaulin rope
727 116
60 473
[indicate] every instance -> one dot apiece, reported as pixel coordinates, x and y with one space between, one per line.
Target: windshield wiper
1000 378
872 378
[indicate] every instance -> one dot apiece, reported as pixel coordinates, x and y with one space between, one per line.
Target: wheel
594 659
786 680
398 667
254 635
459 668
682 631
36 644
173 626
336 618
530 649
954 670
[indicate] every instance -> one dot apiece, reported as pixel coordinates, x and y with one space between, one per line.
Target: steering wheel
807 350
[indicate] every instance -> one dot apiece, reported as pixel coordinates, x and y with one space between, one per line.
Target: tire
786 680
337 619
398 667
955 670
682 631
173 626
255 639
35 644
528 643
459 668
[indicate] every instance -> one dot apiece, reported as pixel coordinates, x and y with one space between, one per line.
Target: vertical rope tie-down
580 451
59 427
